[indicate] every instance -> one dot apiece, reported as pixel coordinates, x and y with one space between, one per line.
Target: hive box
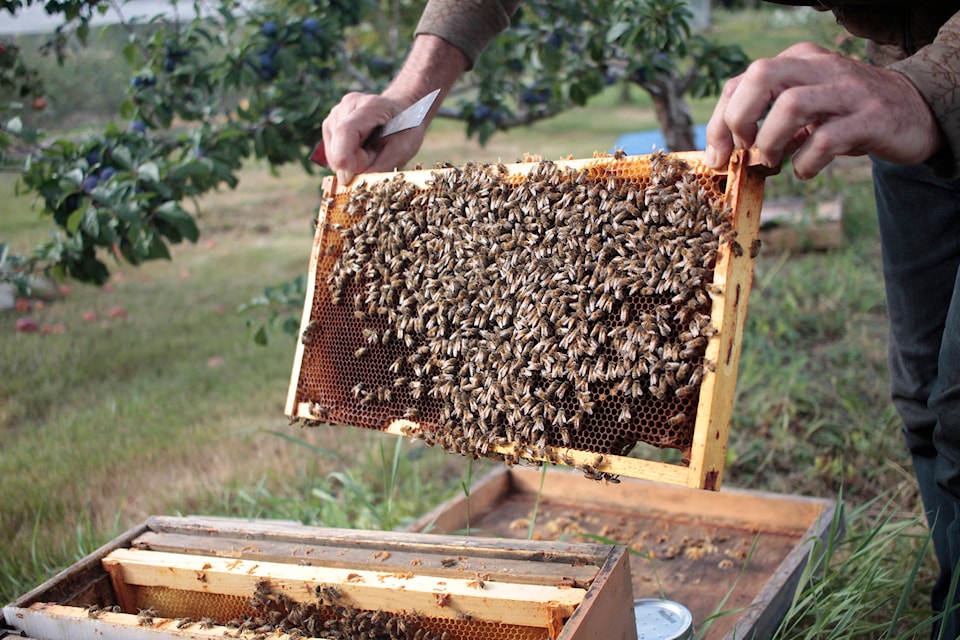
194 574
700 547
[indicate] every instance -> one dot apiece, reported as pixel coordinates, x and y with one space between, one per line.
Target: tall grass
864 583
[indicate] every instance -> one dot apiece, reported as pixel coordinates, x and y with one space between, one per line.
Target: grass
172 409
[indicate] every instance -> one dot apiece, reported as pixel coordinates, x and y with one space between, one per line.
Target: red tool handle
319 155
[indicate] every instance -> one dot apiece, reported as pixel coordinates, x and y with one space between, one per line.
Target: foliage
563 53
278 303
209 93
385 489
858 583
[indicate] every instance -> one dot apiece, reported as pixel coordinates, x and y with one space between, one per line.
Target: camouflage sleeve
935 71
469 25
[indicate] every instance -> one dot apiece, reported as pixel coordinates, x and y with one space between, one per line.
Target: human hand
821 105
351 122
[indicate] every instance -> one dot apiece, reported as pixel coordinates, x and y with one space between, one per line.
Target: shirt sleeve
469 25
935 71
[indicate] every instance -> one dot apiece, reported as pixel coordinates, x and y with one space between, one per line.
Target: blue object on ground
643 142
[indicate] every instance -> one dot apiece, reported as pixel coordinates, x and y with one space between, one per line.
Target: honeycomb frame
198 577
738 191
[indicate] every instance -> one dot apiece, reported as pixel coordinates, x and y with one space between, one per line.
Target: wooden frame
786 531
733 277
569 591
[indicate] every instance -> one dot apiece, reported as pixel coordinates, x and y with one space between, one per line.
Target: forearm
935 71
433 63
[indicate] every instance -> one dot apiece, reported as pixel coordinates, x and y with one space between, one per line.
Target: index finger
719 137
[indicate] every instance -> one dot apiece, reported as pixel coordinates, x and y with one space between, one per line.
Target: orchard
255 81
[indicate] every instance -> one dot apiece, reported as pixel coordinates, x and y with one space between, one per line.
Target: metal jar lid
662 620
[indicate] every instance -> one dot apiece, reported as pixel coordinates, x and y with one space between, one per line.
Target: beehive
733 558
205 577
544 312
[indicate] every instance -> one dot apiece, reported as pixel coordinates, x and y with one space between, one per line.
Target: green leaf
260 337
74 176
130 51
121 157
149 171
73 222
291 326
182 221
617 30
158 250
90 224
14 124
193 168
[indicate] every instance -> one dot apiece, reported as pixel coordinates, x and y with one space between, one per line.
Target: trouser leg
920 234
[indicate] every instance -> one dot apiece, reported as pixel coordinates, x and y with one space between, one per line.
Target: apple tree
249 80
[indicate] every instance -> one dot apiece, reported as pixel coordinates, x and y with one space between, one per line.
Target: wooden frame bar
733 276
550 587
481 599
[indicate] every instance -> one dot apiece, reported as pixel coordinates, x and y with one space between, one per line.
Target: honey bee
145 617
95 611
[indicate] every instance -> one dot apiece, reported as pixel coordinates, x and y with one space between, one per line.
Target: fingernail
710 157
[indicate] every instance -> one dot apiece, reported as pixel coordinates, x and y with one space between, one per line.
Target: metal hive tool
539 312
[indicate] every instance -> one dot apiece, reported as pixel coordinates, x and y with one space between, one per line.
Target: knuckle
791 104
730 87
805 49
761 71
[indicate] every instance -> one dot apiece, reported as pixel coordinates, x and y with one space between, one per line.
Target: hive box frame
733 278
568 591
786 532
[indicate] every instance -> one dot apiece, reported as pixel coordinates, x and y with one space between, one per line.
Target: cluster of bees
534 312
327 618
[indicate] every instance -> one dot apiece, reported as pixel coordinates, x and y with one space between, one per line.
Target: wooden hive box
737 553
544 312
190 577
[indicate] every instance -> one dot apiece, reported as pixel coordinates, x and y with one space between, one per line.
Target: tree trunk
673 113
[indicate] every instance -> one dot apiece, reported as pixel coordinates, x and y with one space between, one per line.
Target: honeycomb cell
195 605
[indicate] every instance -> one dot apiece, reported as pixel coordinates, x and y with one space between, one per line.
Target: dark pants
920 235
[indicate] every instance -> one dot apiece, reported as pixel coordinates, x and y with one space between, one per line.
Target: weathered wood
433 563
773 535
775 597
610 617
47 620
518 604
759 510
563 553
